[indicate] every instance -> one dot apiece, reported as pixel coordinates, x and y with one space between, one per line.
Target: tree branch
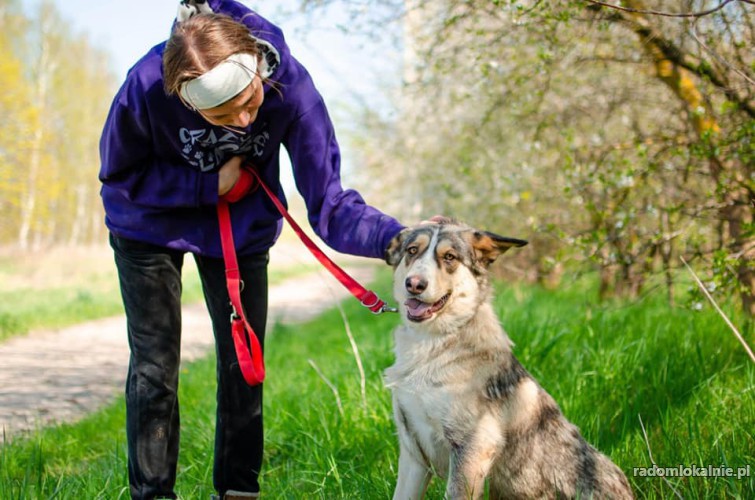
667 14
718 58
673 53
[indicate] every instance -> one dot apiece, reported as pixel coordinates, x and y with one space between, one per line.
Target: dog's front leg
466 479
414 472
470 463
413 477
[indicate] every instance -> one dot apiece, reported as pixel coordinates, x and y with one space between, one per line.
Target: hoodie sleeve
130 166
340 217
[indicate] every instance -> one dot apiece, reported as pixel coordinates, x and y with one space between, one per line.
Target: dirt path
61 375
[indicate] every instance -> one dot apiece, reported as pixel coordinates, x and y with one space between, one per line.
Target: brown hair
199 44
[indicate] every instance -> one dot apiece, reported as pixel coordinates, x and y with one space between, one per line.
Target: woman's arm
340 217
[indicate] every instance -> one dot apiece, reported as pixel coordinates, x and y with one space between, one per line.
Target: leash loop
370 295
377 306
245 341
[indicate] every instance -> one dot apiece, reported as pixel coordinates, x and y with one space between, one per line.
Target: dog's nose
415 284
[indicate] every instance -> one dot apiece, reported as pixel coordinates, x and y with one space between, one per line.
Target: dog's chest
427 413
440 369
436 392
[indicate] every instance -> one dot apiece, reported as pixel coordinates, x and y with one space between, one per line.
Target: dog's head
441 270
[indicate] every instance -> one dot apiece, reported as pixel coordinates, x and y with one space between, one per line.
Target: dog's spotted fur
464 406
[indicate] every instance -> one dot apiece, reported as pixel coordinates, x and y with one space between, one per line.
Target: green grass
26 309
91 295
682 372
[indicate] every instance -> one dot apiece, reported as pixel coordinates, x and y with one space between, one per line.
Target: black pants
150 280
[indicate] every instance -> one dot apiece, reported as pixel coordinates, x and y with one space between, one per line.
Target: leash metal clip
234 315
386 309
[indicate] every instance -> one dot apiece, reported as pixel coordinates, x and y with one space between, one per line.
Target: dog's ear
395 251
489 246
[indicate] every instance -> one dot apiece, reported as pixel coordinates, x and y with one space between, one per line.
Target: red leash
247 345
248 350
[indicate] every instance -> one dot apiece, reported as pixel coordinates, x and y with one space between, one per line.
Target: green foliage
722 282
16 127
48 138
554 121
681 372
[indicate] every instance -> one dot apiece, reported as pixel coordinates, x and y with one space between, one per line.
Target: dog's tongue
417 307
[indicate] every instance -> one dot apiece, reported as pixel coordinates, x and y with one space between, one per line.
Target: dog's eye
449 257
412 250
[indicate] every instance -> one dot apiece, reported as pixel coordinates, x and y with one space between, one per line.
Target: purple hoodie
160 161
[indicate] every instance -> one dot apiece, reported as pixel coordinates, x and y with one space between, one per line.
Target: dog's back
465 408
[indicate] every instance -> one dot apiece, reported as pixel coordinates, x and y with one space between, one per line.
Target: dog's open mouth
416 310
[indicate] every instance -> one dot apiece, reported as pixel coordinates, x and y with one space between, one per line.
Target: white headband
222 83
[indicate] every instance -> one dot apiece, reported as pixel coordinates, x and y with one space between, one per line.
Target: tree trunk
43 74
738 217
666 250
29 201
79 220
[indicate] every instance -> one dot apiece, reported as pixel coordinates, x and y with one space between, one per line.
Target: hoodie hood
269 38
